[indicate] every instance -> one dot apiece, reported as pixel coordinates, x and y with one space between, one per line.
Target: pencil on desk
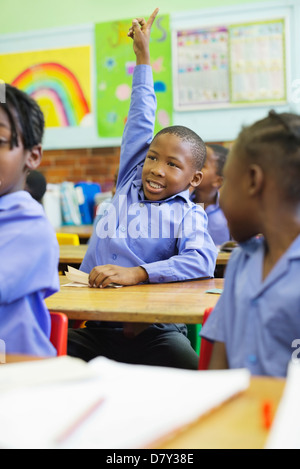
77 423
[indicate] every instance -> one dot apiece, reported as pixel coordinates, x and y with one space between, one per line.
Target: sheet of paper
285 431
139 405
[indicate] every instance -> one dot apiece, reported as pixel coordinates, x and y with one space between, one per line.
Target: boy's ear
256 179
197 178
34 156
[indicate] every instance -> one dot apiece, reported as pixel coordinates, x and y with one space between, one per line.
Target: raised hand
140 33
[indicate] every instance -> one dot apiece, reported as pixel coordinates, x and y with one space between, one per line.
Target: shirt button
123 228
252 359
114 256
141 204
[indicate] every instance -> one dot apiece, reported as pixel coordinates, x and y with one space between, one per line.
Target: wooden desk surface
75 255
72 254
83 231
182 302
237 424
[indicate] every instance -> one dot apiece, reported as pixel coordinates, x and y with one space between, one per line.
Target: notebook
66 403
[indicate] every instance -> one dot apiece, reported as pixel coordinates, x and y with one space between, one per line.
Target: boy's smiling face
169 168
14 162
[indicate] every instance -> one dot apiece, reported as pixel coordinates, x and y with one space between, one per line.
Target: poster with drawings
115 62
229 66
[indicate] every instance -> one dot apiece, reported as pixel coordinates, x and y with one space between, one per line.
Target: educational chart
58 79
115 62
227 66
202 67
257 62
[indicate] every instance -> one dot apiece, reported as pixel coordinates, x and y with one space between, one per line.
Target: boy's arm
138 132
218 360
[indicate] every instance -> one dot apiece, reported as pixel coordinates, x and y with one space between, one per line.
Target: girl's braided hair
274 143
25 117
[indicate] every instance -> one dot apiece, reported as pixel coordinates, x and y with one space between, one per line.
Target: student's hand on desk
140 33
102 275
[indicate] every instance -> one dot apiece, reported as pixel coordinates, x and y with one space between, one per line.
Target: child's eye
172 164
151 157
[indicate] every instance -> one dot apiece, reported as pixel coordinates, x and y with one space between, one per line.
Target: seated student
208 193
258 315
36 185
152 232
28 247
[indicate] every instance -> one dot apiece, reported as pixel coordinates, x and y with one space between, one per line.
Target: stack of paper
111 405
79 278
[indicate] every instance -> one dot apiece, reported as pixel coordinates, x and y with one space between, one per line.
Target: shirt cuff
142 75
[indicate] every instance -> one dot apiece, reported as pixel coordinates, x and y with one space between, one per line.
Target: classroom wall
31 15
99 160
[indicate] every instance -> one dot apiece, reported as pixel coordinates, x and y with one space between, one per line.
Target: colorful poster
115 62
60 81
257 62
228 66
201 67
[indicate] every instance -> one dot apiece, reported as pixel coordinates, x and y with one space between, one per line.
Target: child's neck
206 199
279 236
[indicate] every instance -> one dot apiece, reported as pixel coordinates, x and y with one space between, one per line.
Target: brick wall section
88 164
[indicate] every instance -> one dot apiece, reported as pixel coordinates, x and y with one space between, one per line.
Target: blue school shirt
217 224
28 274
169 239
258 320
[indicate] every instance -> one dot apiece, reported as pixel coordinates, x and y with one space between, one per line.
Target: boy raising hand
152 232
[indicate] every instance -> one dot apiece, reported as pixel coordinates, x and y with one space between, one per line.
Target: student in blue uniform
208 193
257 317
152 232
28 247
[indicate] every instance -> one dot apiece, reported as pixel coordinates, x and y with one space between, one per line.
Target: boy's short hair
25 115
274 142
36 185
198 147
221 154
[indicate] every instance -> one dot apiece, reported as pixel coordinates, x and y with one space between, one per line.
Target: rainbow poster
115 65
58 79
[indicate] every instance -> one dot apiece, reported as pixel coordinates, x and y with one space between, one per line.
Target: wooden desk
237 424
84 231
182 302
72 254
75 255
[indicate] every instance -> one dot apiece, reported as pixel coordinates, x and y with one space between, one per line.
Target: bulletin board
58 79
230 65
115 62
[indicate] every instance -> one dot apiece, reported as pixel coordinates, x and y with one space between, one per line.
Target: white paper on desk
81 279
285 430
142 404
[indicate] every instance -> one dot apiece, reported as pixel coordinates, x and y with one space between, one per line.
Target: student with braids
257 318
28 246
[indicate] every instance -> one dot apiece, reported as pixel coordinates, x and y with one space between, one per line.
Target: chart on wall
58 79
115 62
227 66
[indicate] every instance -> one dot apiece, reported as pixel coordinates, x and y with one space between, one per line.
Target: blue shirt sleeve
139 128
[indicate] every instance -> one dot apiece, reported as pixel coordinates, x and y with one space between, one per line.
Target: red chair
59 332
206 346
